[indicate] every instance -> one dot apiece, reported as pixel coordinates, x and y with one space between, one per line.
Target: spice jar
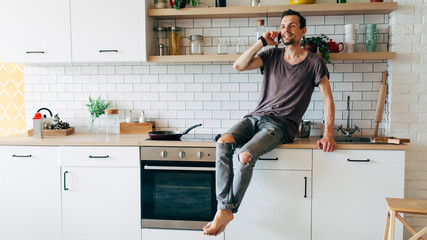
161 40
113 125
196 45
174 40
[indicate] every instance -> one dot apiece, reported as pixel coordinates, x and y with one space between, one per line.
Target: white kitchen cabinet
35 31
349 192
277 204
30 202
113 30
167 234
101 201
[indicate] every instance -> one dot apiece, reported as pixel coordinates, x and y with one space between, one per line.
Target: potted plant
96 109
312 43
178 4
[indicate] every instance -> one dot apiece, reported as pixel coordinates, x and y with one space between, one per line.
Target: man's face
290 30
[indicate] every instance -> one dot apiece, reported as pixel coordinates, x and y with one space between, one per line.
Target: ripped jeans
256 135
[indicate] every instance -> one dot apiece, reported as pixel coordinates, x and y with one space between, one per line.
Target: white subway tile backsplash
230 32
211 32
178 95
203 23
315 20
334 20
220 22
239 22
327 30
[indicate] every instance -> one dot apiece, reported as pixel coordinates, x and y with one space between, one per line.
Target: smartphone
279 38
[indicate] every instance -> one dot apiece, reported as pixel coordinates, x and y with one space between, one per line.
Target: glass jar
196 45
160 4
174 40
113 124
222 46
161 41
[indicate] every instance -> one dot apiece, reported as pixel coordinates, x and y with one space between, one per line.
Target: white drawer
292 159
99 156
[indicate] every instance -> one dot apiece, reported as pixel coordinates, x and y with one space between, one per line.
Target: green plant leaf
97 108
320 42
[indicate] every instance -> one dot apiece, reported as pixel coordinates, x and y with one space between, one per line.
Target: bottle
38 126
113 125
129 116
260 30
142 117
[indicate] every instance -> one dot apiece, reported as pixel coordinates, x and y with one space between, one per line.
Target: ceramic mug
371 45
349 47
350 33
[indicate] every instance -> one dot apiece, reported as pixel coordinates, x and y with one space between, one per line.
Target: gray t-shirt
286 89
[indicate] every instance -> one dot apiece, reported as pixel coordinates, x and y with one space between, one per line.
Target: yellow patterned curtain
12 99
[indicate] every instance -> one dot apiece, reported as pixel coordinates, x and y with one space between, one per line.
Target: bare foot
222 218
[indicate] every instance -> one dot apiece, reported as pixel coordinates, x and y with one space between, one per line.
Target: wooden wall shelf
232 57
275 11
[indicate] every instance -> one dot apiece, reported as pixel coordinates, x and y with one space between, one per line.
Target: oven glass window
178 195
182 195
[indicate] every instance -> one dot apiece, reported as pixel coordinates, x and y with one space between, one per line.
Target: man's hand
327 144
270 36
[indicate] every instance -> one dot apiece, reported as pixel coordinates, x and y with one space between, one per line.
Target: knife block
136 127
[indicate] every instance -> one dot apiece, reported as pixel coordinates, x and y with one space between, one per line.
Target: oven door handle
170 168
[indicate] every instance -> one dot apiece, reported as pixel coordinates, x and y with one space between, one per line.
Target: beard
290 42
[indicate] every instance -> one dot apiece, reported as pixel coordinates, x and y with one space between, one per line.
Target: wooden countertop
80 139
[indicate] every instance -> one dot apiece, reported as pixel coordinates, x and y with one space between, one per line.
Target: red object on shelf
335 47
37 116
183 3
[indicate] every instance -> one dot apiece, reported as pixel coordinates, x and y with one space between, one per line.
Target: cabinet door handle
21 156
273 159
65 181
106 156
31 52
358 160
107 50
305 187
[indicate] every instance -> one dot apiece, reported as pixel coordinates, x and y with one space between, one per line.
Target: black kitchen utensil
170 135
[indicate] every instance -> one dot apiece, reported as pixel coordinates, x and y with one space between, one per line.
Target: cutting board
136 128
52 132
392 140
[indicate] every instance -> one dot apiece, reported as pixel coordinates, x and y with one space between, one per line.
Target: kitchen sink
342 139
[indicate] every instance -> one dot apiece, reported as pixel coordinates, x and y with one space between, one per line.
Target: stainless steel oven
177 187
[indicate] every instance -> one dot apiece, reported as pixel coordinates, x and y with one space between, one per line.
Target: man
290 75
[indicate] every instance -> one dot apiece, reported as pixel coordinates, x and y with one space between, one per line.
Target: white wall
408 116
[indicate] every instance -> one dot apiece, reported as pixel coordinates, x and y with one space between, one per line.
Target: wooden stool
398 205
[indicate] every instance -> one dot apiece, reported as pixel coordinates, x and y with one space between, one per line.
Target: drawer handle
106 156
107 50
358 160
272 159
31 52
65 181
21 156
305 187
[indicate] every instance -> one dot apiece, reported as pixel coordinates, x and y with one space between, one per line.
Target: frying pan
170 135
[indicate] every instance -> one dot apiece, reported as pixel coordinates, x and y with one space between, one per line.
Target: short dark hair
292 12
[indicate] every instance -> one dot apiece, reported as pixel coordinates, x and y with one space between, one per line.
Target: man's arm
327 143
249 60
